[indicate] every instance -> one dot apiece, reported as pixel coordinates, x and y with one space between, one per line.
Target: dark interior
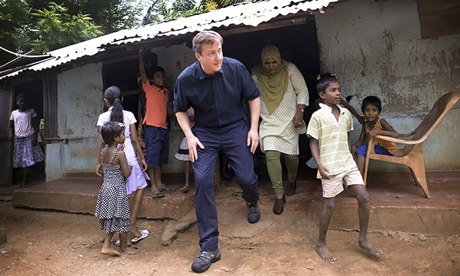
297 44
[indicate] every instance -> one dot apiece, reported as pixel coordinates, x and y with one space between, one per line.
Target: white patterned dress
112 207
277 131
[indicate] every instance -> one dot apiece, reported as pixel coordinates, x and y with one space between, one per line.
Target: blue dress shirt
217 100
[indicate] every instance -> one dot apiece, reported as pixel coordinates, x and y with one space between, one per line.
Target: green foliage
210 5
56 28
167 10
14 23
47 25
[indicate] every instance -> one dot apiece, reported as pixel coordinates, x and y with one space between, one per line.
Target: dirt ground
57 243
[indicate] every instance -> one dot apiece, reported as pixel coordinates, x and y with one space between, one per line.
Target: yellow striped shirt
332 136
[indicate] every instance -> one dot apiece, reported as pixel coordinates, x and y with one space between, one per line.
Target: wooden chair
411 154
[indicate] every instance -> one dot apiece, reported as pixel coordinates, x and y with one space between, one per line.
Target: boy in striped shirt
330 146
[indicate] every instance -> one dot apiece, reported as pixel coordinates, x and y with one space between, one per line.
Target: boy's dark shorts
156 145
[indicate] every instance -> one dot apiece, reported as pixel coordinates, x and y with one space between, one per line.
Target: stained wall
375 48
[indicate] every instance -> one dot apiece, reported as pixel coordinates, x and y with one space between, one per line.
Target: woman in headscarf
284 96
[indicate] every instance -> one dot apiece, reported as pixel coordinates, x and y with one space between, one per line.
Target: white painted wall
79 104
375 48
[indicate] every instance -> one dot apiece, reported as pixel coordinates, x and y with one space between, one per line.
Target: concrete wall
375 48
79 104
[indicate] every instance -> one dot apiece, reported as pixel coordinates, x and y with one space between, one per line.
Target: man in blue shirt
217 87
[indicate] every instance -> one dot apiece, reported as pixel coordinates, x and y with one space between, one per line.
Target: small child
372 107
112 207
182 153
156 133
24 127
330 146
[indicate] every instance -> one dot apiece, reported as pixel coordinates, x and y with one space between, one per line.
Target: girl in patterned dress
24 128
112 207
372 107
137 181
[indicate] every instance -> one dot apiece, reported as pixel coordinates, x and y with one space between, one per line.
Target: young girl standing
183 155
372 107
112 207
24 128
137 181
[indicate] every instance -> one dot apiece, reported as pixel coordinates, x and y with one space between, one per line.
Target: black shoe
205 259
291 187
278 207
253 212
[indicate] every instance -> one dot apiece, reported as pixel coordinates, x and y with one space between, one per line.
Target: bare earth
57 243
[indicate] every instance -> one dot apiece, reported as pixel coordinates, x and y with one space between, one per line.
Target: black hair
324 80
112 95
21 96
152 71
110 130
373 100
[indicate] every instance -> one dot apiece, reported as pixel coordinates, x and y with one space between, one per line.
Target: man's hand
253 140
193 142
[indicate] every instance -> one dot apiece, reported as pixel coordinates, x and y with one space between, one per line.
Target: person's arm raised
142 66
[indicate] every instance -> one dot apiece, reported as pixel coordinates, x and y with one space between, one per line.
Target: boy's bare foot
110 252
130 251
324 252
185 188
365 244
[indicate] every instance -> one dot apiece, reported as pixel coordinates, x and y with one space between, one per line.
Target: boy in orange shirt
156 133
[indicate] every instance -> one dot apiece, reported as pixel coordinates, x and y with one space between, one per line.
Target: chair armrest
397 140
407 134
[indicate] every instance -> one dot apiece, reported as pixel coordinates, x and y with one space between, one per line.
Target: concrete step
397 204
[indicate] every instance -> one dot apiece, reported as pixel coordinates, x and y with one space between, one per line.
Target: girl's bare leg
107 249
124 245
138 195
25 172
188 168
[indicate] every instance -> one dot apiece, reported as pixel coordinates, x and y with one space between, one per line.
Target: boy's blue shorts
156 145
362 150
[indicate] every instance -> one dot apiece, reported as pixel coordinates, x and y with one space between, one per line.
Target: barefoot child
330 147
182 153
372 107
112 207
24 128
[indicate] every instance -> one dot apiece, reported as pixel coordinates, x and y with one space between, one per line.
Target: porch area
397 204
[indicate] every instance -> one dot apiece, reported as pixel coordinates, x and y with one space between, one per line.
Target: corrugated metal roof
249 14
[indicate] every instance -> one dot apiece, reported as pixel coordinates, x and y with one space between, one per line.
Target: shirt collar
328 108
202 75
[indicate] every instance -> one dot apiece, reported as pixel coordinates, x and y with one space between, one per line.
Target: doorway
33 91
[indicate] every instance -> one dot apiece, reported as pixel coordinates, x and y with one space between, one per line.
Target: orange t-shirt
156 106
390 146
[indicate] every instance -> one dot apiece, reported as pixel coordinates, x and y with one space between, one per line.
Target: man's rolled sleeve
180 102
